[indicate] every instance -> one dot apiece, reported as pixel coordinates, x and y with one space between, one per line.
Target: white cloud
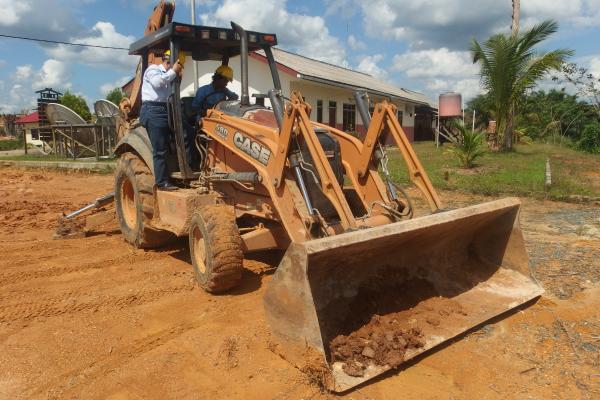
102 34
436 23
304 34
21 98
440 70
595 66
26 80
356 44
107 87
368 64
12 11
53 74
469 87
48 19
435 63
344 8
23 73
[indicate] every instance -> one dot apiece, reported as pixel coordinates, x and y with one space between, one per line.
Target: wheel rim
128 203
199 250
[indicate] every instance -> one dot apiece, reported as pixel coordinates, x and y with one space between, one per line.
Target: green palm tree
471 145
510 66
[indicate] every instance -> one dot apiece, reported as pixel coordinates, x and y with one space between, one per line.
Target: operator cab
205 43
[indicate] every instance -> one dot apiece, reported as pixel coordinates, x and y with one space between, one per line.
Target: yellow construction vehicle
362 287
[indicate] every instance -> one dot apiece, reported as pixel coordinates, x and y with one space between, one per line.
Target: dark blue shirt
207 97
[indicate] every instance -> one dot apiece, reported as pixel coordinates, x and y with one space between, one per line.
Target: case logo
252 148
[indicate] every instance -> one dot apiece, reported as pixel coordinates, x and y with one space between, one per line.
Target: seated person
209 95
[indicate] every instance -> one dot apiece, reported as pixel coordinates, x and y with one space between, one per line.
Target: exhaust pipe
245 98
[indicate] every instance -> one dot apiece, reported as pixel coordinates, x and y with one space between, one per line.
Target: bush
471 147
11 144
590 138
115 95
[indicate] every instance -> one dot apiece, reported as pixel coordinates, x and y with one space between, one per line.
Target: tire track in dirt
105 366
54 307
24 276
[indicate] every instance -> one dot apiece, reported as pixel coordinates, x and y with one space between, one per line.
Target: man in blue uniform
209 95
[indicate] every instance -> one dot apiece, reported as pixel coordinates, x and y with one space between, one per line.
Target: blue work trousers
155 119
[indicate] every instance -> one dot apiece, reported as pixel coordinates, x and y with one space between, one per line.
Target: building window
319 110
400 116
349 117
332 113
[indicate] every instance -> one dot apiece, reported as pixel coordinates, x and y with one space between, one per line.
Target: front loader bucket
349 307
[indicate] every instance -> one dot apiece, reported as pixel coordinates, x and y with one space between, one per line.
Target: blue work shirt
207 97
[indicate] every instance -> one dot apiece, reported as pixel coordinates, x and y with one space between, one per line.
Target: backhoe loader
362 287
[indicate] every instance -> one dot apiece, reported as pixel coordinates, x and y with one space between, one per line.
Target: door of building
332 113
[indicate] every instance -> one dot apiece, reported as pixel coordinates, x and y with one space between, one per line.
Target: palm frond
509 66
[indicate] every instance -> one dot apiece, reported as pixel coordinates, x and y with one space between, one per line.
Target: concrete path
72 165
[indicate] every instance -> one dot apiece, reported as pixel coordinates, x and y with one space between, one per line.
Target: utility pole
514 28
194 63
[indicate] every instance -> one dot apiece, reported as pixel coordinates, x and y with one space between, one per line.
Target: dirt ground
93 318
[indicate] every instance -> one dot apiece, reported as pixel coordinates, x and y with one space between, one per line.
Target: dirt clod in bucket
384 321
381 342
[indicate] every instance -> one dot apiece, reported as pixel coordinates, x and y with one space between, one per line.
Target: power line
66 43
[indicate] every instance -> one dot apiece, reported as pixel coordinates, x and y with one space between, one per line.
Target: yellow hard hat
225 71
181 57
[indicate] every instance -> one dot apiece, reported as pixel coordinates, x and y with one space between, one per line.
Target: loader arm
384 119
296 118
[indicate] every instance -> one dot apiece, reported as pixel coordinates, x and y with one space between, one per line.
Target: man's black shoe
167 187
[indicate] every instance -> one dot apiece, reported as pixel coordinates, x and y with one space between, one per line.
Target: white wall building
329 89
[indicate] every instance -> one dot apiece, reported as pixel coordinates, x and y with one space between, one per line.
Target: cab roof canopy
202 42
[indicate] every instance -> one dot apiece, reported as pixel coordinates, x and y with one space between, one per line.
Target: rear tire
134 200
216 248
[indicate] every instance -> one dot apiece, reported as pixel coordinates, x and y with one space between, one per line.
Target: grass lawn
521 172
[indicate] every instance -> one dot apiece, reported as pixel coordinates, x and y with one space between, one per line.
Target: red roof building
32 118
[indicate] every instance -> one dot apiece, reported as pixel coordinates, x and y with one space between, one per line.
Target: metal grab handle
170 112
361 97
277 105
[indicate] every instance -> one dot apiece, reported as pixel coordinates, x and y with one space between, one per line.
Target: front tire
216 248
134 200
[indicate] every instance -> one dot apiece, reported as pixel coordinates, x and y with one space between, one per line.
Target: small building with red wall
29 125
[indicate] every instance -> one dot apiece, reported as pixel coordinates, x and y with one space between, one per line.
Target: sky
420 45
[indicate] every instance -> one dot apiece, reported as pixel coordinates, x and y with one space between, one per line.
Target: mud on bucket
352 306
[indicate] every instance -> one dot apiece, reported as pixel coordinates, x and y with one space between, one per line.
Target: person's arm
231 95
158 79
